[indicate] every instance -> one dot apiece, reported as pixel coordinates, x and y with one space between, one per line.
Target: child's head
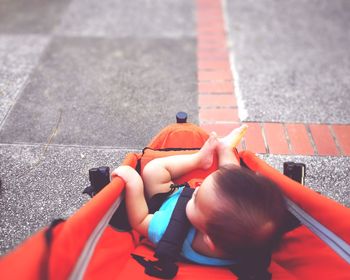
237 209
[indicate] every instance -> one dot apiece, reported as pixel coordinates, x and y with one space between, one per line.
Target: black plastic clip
295 171
181 117
164 269
99 178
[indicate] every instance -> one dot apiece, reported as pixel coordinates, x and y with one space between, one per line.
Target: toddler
233 210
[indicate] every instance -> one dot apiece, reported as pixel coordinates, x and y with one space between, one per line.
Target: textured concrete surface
292 59
30 16
18 56
137 18
41 183
328 175
105 92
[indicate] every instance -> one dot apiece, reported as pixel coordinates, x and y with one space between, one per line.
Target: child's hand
127 173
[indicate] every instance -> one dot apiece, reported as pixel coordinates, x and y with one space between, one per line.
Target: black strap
169 247
171 243
48 234
158 199
170 149
49 230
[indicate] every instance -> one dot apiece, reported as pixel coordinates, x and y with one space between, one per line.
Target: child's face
201 203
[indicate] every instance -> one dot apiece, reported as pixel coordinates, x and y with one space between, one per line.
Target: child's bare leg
227 144
159 173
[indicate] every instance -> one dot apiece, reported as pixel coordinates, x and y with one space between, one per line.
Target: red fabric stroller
86 247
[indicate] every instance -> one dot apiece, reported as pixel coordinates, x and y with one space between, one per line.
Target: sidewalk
82 84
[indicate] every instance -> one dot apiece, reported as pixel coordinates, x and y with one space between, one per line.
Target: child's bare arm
136 205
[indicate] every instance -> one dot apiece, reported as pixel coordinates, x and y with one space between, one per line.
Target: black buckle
295 171
162 268
99 178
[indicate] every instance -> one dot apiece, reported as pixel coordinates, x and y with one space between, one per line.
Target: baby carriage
85 246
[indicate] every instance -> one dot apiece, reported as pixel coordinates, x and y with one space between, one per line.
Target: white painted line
242 111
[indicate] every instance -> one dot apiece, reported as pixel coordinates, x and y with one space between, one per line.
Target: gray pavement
82 83
105 92
327 175
30 16
137 18
292 59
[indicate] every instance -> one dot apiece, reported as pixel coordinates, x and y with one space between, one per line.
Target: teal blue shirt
159 223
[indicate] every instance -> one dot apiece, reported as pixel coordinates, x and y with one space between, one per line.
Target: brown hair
250 213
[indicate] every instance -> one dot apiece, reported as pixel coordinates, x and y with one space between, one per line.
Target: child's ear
209 242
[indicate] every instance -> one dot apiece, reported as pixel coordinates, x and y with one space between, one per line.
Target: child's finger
120 171
114 174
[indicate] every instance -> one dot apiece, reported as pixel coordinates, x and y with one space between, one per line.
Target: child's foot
206 153
234 137
228 143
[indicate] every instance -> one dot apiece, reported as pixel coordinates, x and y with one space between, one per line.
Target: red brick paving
229 115
275 138
215 75
215 87
323 140
213 64
342 133
216 100
254 140
299 139
205 45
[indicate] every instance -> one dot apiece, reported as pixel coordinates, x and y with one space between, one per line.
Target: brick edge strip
218 110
